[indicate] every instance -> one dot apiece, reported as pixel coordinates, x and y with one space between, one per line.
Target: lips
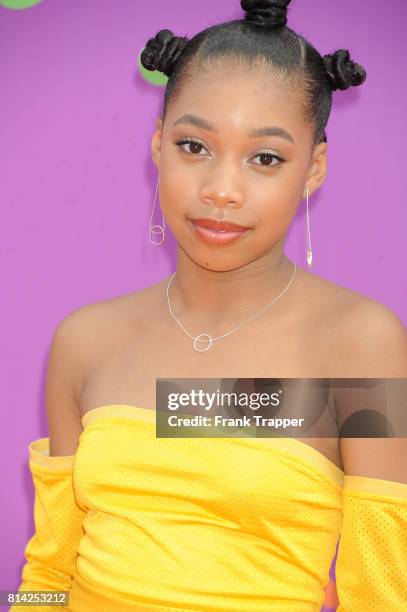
218 233
216 225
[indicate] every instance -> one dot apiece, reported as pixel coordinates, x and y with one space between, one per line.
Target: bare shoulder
368 339
100 326
79 341
364 339
374 341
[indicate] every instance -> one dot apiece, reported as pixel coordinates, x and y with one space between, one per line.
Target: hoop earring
161 228
309 249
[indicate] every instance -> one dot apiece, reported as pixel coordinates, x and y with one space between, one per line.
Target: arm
51 552
371 567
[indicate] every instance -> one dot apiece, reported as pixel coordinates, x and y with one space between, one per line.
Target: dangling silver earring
309 250
161 229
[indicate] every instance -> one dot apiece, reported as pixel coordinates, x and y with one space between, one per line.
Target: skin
226 178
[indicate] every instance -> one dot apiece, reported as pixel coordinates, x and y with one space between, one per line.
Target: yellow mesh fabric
220 524
51 551
371 567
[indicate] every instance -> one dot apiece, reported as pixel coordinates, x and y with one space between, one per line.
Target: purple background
77 182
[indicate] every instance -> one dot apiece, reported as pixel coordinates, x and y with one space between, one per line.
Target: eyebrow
255 133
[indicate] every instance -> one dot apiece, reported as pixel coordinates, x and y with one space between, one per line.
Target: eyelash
187 140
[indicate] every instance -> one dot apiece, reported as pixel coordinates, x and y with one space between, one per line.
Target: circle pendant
205 342
154 231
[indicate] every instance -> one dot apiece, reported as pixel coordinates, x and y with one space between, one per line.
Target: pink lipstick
215 232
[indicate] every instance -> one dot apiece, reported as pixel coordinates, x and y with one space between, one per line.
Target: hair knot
162 51
268 14
342 72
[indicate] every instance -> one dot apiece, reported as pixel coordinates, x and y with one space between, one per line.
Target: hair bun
342 72
162 51
266 13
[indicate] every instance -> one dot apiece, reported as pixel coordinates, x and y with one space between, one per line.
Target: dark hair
261 35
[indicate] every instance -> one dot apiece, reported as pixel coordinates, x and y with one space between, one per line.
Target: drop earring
309 249
156 229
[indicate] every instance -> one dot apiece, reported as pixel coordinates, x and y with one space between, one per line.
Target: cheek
275 212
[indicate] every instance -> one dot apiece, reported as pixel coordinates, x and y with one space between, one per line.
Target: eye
268 156
195 144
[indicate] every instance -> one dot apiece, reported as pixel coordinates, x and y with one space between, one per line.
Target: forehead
238 98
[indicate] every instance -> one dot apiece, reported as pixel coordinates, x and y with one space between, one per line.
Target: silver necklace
203 342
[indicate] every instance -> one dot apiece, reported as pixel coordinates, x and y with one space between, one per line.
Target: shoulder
372 340
364 337
124 309
95 328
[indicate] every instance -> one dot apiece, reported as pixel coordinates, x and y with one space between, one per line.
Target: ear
318 168
156 143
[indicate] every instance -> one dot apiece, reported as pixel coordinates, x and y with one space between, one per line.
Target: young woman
128 521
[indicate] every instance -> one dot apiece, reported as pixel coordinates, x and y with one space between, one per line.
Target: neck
214 300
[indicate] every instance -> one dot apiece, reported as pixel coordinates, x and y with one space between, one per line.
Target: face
229 172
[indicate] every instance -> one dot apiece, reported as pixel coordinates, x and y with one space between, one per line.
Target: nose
223 189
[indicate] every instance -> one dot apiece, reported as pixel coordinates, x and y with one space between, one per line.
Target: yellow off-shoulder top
135 522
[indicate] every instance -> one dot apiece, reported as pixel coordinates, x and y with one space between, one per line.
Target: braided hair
261 35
